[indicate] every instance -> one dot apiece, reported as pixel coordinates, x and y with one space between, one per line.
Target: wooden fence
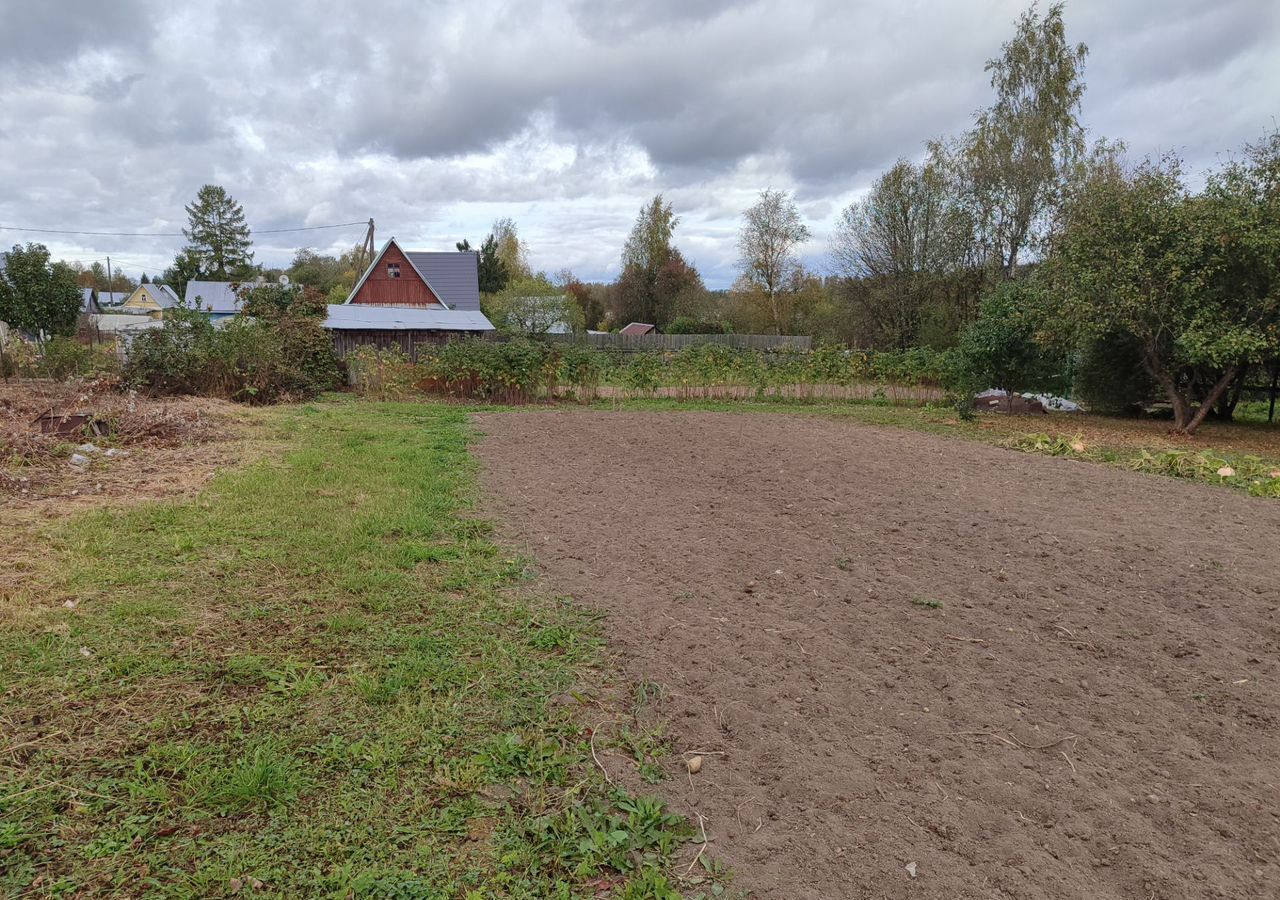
637 342
412 343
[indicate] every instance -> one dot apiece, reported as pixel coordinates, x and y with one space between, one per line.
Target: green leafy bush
280 353
1109 377
582 369
524 370
516 371
693 325
61 358
1000 349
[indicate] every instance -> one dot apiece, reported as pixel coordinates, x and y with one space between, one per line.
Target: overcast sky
436 118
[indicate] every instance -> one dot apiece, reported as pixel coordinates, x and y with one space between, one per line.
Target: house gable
151 298
393 280
140 299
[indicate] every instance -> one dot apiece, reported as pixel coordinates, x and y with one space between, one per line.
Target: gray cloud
46 34
435 118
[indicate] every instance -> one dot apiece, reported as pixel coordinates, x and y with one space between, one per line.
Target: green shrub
63 357
281 353
582 368
1000 349
516 371
58 358
641 372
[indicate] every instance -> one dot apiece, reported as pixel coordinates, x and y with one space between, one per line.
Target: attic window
393 270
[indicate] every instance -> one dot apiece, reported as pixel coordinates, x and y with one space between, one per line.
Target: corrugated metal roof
454 276
638 328
212 296
112 298
114 322
358 316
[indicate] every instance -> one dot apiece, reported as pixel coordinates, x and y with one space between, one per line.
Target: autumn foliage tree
1013 165
771 234
656 283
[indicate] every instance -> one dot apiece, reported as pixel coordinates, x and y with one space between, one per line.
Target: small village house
150 299
410 299
216 299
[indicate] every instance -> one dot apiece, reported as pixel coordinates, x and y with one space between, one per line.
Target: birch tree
772 230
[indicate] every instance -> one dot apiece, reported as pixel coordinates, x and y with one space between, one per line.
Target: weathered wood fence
638 342
410 342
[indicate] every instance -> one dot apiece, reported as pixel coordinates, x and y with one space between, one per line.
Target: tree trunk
1275 386
1223 383
1181 409
1226 409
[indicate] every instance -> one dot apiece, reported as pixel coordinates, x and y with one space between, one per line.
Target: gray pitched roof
362 317
162 294
454 276
89 301
212 296
113 298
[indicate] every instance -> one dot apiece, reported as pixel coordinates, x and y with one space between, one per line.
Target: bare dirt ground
166 446
1091 713
170 448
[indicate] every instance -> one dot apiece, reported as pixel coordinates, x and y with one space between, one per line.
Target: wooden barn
357 325
410 299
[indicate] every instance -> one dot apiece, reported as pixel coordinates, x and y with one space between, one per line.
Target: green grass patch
321 678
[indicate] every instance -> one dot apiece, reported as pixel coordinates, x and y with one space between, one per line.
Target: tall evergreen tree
217 234
493 271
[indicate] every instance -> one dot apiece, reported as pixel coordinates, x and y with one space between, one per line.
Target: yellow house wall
140 299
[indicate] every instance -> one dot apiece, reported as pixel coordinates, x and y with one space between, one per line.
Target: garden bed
1008 673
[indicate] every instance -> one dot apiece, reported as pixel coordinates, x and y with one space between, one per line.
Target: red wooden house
408 299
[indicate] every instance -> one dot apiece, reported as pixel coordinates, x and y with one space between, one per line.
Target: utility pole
367 249
108 276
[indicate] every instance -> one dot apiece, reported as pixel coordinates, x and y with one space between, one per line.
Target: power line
170 233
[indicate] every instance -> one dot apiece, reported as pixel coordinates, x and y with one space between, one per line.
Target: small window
393 270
